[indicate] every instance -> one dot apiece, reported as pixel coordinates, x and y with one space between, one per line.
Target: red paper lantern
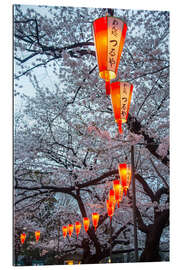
77 227
64 230
118 190
86 223
109 37
95 220
125 176
110 208
37 235
112 200
121 93
22 238
70 229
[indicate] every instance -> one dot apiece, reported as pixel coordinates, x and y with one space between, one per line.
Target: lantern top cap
119 18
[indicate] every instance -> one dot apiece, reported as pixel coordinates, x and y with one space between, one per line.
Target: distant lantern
121 93
22 238
37 235
77 227
112 198
110 208
125 176
64 230
118 191
86 223
95 220
70 229
109 38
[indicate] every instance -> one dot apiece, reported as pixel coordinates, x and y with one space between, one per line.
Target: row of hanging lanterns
119 188
115 196
23 236
109 37
86 222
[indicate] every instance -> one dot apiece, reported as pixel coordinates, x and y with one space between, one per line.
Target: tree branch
136 127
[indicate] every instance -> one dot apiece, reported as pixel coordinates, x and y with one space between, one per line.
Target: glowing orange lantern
86 223
110 208
121 93
70 229
77 227
118 190
95 219
112 200
37 235
22 238
109 37
125 176
64 230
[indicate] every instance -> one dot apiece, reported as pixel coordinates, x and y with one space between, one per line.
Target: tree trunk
151 251
154 231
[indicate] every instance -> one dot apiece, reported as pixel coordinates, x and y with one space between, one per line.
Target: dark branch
136 127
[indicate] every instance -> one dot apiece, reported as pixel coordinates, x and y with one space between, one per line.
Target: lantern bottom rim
107 75
121 121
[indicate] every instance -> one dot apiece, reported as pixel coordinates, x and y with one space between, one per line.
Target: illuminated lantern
118 191
125 176
95 219
121 93
109 37
86 223
110 208
77 227
37 235
22 238
64 230
112 200
70 229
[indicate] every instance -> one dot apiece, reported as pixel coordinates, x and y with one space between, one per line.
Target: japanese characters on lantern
77 227
95 220
121 93
125 176
37 235
64 230
109 37
86 223
22 238
70 229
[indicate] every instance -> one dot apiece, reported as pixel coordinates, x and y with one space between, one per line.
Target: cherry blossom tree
66 142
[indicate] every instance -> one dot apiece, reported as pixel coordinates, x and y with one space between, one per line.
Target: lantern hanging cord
110 11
